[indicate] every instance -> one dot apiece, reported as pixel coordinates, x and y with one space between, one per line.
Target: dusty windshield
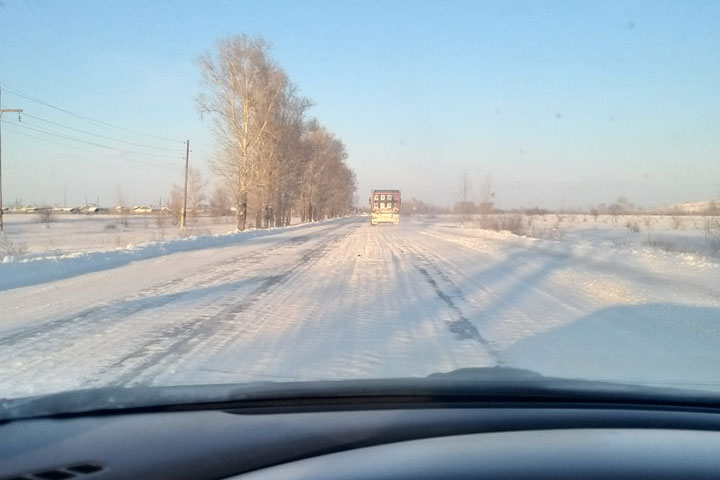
228 192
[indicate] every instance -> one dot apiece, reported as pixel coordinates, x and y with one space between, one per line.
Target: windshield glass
228 192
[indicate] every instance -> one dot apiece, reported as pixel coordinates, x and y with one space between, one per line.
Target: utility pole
184 208
3 110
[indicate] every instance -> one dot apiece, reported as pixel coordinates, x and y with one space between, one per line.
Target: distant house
66 209
90 208
142 209
694 208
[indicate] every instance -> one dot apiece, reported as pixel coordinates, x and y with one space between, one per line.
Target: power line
80 140
77 147
196 150
102 136
100 122
30 135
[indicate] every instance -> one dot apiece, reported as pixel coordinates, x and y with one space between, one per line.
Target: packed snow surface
342 299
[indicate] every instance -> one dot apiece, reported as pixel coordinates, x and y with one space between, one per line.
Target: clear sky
563 103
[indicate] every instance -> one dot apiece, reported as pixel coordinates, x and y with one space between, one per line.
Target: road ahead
343 299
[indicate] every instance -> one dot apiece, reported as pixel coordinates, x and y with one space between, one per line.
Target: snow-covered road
343 299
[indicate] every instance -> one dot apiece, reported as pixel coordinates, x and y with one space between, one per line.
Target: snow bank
18 272
656 246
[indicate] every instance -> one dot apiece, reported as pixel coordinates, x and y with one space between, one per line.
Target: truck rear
385 207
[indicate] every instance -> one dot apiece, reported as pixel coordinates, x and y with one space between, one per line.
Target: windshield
200 193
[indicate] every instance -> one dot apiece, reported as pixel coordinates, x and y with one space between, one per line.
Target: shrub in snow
9 249
46 216
511 223
514 224
662 243
620 242
712 234
554 233
633 226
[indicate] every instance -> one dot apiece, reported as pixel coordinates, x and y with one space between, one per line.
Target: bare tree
328 183
269 157
122 206
46 216
487 194
175 203
486 202
220 200
279 177
195 191
244 88
465 206
466 187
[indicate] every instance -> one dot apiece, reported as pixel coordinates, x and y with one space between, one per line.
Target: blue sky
564 104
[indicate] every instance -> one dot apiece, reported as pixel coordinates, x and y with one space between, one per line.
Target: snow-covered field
75 233
592 298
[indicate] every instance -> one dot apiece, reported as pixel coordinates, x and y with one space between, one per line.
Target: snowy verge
18 272
587 246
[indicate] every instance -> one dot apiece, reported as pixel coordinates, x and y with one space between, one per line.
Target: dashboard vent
79 470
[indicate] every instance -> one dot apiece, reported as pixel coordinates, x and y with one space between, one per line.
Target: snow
341 299
52 265
79 233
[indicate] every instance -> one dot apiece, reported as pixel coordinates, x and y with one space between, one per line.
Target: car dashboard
378 439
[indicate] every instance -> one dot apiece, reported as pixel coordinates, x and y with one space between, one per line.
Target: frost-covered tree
269 156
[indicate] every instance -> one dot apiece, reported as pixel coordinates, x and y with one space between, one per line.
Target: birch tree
243 89
289 158
270 158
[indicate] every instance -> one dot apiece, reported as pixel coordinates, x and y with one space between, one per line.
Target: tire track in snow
359 310
462 327
441 283
148 298
194 332
53 349
514 292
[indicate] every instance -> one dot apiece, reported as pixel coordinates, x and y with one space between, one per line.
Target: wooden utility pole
184 208
3 110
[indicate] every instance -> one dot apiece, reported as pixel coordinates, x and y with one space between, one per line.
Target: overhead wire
140 157
134 160
49 140
16 92
80 140
98 135
122 135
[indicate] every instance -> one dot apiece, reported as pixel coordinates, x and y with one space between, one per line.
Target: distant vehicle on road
385 206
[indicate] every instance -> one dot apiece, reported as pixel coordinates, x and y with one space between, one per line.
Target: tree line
272 159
